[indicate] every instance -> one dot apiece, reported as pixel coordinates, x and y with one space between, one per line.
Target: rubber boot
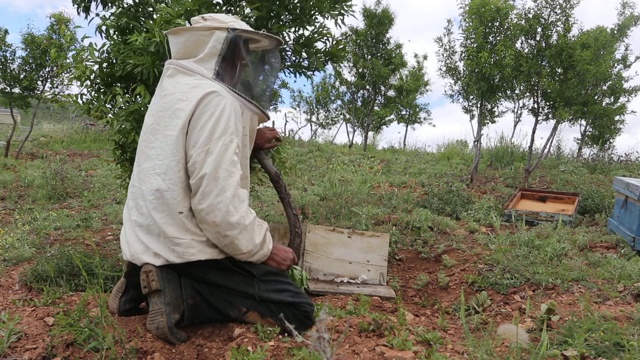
164 296
126 297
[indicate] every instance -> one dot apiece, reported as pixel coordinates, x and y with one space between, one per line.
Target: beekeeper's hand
266 138
281 257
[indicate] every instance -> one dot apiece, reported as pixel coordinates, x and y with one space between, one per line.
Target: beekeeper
195 250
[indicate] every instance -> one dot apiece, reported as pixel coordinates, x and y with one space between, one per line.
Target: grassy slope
57 201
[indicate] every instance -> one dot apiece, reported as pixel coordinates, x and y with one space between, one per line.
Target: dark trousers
230 290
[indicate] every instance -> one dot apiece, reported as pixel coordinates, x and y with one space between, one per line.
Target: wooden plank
332 252
325 287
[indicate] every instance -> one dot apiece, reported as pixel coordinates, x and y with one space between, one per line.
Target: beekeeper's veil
226 49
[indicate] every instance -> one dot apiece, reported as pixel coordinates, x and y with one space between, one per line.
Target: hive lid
627 186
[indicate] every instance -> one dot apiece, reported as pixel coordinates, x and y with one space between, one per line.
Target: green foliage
9 331
603 59
548 255
246 353
266 333
504 154
303 353
450 199
595 200
599 336
93 329
45 65
476 62
373 66
319 107
299 277
413 85
71 269
121 74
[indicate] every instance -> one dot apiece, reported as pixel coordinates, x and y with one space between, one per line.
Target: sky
418 22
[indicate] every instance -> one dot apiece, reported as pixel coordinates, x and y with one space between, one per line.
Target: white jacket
188 198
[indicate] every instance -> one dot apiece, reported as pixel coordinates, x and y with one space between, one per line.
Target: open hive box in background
341 261
538 206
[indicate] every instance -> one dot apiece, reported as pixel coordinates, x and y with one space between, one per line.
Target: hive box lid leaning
342 261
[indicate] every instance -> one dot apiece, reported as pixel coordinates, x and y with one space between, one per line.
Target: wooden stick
295 227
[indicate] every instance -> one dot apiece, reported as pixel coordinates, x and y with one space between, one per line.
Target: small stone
356 340
391 354
157 356
49 320
381 341
517 298
409 316
376 301
237 332
620 288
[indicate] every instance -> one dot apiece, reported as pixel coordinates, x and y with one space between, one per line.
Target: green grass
65 193
9 331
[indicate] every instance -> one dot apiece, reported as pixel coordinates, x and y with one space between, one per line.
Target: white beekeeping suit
188 197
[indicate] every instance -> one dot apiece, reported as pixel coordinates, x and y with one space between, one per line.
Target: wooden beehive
625 220
538 206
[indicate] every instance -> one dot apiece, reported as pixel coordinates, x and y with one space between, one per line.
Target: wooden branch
295 227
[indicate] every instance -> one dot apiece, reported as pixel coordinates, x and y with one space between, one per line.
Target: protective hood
224 48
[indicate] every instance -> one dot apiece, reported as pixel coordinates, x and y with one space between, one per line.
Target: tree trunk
333 140
365 138
349 137
517 118
33 120
7 146
530 169
532 140
404 140
295 227
583 136
547 152
477 147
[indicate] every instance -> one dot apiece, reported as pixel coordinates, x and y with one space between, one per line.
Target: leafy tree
546 41
601 93
47 63
372 68
475 64
319 105
38 70
413 84
11 74
120 75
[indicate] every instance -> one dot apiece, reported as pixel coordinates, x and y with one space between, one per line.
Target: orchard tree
371 71
549 49
318 106
601 85
11 74
47 64
476 62
121 74
412 86
38 70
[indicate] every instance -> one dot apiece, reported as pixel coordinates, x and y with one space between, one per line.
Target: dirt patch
428 305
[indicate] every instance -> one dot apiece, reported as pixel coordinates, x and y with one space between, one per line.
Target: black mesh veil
250 72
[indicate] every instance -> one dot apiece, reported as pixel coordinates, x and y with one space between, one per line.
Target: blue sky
418 22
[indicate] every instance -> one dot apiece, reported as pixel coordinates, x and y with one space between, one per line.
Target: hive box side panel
332 252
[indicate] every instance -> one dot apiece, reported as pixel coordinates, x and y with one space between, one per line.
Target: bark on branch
295 227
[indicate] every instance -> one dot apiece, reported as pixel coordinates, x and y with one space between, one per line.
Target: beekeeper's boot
164 296
126 297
